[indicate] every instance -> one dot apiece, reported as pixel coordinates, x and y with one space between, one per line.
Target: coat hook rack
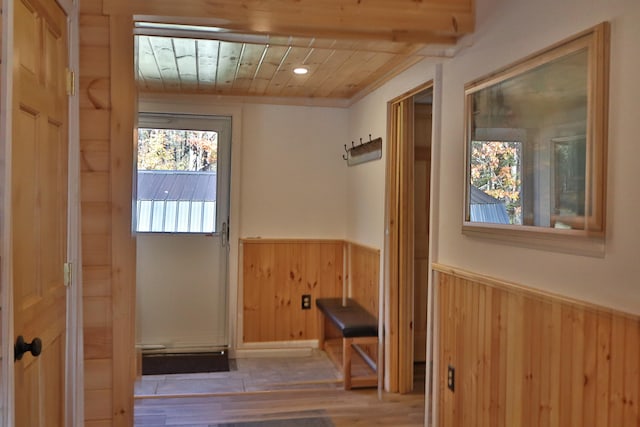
363 152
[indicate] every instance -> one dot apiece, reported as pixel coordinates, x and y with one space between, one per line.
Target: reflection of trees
495 169
170 149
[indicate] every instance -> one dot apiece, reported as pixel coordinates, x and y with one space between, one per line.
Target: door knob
21 347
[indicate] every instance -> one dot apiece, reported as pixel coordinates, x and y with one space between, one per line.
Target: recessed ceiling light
301 70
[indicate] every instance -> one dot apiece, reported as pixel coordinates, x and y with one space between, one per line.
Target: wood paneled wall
95 106
363 264
523 358
276 273
108 249
364 275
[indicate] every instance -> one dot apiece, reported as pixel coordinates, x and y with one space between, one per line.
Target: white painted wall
294 181
512 30
366 182
506 32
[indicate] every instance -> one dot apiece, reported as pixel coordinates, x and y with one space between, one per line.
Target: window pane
157 218
177 177
183 216
196 217
209 217
496 172
177 150
144 215
170 216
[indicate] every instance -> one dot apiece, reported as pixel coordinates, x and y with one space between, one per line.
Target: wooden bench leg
346 362
321 330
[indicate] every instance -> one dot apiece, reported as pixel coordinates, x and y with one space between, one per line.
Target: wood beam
123 262
296 37
400 20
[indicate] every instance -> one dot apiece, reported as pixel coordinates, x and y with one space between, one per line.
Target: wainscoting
524 358
275 273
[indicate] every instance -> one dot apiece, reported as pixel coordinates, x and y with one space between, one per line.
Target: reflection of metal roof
479 197
176 202
486 208
176 185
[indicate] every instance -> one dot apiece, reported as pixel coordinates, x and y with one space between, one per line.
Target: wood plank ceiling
249 48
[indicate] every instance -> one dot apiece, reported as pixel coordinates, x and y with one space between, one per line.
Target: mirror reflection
527 147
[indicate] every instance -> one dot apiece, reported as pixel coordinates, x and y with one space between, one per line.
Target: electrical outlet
306 302
451 378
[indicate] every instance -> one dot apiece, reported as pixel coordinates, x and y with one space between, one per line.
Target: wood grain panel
98 342
95 143
337 70
276 273
97 218
94 60
527 359
365 276
98 423
95 124
98 405
123 256
94 161
421 196
96 281
98 373
95 31
96 249
364 282
91 7
380 20
97 311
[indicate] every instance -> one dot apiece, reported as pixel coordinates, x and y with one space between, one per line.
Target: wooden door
39 208
399 241
422 174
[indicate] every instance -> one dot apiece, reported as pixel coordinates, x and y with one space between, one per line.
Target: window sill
574 242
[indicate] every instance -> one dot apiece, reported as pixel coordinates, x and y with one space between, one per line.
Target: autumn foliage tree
177 150
495 169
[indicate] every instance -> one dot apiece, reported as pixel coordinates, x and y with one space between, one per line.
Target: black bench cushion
352 320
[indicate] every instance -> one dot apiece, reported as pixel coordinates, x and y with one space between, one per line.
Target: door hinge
71 83
68 275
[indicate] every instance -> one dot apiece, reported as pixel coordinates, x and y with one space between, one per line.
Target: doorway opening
407 242
181 221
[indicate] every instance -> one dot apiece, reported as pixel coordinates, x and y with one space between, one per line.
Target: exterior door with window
39 211
182 231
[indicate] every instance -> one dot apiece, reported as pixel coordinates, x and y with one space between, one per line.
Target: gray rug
295 422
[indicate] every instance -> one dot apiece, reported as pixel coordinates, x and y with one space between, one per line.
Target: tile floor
248 375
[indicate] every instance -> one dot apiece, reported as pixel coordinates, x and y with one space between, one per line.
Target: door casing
399 240
206 105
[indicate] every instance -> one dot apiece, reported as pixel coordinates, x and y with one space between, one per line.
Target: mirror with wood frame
535 142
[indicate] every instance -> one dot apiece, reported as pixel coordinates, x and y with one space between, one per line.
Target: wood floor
344 408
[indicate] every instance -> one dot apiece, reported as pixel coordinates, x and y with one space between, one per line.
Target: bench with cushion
356 327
